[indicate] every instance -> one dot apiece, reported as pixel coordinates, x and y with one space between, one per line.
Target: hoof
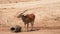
32 30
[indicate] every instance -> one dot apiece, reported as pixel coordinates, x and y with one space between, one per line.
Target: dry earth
47 14
13 1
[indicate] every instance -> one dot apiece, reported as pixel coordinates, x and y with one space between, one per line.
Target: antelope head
21 14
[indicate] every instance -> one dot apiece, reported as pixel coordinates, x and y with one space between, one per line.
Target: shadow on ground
41 28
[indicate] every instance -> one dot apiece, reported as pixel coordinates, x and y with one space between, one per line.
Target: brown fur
29 18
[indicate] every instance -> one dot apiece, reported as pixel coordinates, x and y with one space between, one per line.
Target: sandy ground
44 31
47 14
13 1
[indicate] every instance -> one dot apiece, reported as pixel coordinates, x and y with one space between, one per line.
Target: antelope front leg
27 27
32 26
24 27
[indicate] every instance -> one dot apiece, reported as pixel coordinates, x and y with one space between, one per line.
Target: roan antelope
29 18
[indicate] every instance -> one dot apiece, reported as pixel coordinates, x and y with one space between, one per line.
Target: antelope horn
24 11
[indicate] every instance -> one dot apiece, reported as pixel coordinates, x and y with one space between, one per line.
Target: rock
16 29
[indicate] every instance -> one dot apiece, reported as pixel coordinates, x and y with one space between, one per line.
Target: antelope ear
24 14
